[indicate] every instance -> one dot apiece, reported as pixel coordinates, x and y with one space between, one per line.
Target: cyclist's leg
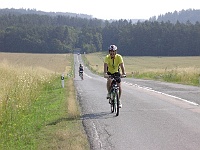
120 92
120 89
108 88
109 84
119 83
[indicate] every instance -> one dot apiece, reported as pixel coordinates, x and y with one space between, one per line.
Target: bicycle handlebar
111 76
121 76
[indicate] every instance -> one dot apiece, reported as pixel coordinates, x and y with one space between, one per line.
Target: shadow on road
101 115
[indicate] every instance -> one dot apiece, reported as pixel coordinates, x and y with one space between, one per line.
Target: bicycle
114 94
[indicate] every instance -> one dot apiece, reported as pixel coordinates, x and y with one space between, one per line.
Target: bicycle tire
112 107
115 102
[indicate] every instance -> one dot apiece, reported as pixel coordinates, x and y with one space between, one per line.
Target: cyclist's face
112 53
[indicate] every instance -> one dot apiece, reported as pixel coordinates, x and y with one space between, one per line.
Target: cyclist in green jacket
112 64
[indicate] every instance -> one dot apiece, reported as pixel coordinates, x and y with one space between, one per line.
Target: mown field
36 112
185 70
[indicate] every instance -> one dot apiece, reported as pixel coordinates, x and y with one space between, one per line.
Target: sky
106 9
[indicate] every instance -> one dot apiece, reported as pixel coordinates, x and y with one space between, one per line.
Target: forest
43 33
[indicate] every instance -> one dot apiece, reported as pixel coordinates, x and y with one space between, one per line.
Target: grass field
56 63
35 111
185 70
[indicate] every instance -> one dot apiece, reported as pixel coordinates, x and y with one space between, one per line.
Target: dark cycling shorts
117 74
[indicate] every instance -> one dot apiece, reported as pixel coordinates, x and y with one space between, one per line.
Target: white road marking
97 138
77 59
96 135
87 75
150 89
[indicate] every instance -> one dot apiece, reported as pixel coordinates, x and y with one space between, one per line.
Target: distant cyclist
81 69
112 64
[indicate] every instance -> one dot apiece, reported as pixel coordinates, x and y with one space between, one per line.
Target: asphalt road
155 115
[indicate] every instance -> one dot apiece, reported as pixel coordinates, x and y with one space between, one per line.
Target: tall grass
20 88
35 111
189 76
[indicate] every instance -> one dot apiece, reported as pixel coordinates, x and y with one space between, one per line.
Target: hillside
13 11
34 11
183 16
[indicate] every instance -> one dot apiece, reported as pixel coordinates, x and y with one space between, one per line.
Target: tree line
35 33
182 16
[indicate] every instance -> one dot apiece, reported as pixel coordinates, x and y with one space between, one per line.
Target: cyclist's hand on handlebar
123 75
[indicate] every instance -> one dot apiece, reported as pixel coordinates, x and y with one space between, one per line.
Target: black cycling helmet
112 48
